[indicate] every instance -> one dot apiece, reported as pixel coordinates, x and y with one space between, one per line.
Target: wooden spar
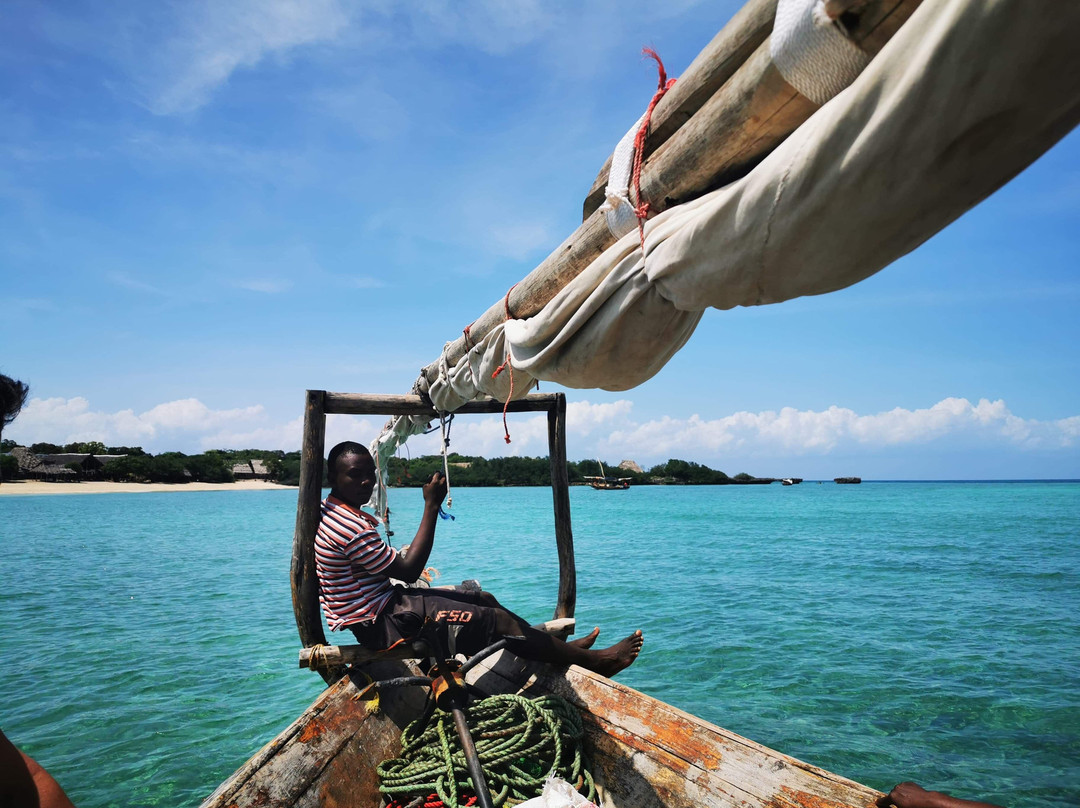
732 47
305 586
362 404
729 49
751 114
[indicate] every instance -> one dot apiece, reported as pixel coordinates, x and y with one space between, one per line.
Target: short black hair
346 447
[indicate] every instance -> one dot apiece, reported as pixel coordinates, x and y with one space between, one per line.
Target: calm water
889 631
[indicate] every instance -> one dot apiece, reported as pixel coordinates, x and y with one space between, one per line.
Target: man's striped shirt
350 558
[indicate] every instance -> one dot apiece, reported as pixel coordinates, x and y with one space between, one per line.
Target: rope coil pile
521 742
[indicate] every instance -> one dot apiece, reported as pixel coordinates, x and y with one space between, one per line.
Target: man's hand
435 490
912 795
409 567
909 795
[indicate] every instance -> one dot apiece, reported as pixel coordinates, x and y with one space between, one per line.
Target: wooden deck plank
327 757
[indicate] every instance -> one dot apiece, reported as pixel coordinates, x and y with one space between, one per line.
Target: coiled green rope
520 742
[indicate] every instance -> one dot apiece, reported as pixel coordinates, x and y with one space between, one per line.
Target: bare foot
586 641
619 656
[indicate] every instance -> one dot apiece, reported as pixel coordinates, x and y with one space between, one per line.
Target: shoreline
39 488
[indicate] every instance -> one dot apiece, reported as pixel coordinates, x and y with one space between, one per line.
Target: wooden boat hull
642 753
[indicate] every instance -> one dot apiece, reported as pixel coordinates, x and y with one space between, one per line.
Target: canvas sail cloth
964 96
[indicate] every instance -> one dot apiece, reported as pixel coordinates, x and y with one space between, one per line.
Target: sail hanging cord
381 476
506 365
663 85
444 426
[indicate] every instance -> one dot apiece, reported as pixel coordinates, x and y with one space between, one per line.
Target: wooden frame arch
305 584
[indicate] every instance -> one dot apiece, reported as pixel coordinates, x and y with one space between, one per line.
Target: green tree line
466 471
284 467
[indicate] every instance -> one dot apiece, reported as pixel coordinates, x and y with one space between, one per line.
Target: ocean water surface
886 631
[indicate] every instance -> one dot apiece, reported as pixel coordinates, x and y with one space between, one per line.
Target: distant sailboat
605 483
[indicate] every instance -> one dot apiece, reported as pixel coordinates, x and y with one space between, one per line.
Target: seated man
354 566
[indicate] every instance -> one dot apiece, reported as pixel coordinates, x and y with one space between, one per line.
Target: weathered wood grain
366 404
560 492
649 753
327 757
305 583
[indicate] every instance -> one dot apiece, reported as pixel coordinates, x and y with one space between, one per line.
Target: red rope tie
663 85
507 366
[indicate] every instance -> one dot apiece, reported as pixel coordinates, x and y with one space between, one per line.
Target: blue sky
206 208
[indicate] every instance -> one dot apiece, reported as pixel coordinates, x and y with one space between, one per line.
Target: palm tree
13 395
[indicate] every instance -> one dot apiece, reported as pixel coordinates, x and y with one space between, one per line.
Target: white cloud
175 425
283 436
367 108
583 417
269 286
493 26
954 421
128 282
216 39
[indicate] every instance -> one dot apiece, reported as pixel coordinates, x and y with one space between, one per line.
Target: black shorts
462 622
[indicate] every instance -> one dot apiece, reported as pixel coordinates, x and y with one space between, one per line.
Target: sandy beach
35 487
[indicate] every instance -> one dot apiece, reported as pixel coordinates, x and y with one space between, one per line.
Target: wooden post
560 492
305 584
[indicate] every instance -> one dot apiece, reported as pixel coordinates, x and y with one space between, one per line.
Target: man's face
354 480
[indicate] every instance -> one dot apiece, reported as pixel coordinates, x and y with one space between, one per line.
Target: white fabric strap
620 214
811 53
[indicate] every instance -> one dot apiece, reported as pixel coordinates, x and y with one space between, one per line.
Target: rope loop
444 425
521 742
662 86
506 365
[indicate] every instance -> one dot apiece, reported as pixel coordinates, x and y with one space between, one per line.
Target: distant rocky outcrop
630 465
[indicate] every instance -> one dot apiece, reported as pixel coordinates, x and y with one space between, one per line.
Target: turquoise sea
885 631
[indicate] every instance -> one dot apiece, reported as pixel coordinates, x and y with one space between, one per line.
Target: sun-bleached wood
305 583
367 404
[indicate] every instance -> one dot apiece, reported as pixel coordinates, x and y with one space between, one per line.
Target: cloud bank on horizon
609 430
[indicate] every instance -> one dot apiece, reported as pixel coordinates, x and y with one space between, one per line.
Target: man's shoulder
336 511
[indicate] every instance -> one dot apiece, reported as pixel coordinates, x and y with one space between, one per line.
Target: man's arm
24 783
912 795
408 569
